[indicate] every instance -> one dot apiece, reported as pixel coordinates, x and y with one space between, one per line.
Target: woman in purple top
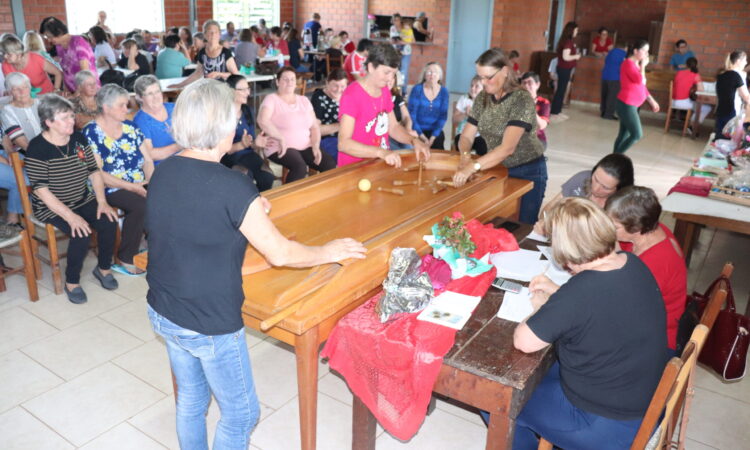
74 51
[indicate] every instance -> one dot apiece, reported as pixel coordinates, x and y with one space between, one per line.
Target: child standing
461 115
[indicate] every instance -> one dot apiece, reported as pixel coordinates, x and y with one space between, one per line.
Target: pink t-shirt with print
370 118
292 120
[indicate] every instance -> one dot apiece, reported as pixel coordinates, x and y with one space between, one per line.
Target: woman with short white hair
84 102
428 106
20 117
154 118
608 325
33 65
200 217
124 157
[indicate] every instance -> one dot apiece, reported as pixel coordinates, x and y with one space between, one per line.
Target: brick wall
520 26
177 13
286 11
631 18
36 10
340 15
712 28
6 18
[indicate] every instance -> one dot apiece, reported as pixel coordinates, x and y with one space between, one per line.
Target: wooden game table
301 306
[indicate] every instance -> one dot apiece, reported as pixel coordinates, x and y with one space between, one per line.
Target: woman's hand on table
462 175
421 150
317 155
347 248
214 76
104 208
542 283
390 158
78 226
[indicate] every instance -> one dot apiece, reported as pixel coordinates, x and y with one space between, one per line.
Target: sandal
128 269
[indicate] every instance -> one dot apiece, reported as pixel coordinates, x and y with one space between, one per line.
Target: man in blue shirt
611 82
229 35
314 26
679 59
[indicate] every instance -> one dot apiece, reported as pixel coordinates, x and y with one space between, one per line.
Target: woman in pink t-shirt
632 94
75 52
289 122
366 114
635 211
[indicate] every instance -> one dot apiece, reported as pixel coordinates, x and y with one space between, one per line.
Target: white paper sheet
537 237
554 272
516 307
521 265
450 309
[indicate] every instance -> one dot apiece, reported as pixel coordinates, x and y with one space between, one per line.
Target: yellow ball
364 185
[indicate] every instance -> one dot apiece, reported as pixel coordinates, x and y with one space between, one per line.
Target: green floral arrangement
451 232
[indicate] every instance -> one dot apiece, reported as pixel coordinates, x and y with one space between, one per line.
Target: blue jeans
531 202
550 414
396 145
8 181
330 145
210 364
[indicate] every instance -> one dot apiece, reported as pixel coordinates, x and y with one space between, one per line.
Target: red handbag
725 350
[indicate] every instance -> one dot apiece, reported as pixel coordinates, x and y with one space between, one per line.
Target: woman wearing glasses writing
505 115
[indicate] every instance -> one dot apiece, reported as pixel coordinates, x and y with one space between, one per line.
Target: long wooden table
329 206
481 370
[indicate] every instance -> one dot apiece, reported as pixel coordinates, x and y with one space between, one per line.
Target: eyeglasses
242 89
489 77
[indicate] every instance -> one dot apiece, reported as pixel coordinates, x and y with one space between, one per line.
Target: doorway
469 36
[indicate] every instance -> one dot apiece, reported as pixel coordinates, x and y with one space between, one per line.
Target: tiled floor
95 376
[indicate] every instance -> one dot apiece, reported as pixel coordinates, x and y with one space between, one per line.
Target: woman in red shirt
684 80
602 44
635 211
632 94
567 56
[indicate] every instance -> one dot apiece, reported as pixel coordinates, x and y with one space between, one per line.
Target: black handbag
112 76
129 81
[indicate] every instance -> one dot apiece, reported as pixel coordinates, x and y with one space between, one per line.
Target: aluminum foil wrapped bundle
406 288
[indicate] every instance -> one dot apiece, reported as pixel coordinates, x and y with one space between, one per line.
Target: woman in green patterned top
505 115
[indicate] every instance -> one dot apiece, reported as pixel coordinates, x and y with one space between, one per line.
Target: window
122 16
244 13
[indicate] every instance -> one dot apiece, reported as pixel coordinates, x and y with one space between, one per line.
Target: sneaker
107 281
76 296
8 230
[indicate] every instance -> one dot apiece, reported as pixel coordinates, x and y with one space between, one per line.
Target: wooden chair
670 108
30 223
334 62
29 264
454 125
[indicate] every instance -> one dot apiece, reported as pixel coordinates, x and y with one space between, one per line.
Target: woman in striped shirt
59 164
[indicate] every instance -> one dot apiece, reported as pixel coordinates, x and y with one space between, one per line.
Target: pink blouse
70 60
293 121
632 90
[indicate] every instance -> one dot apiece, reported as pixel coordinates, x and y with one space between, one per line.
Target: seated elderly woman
133 59
635 211
124 156
325 102
33 65
84 102
60 165
608 326
289 121
245 143
609 175
428 106
20 118
154 119
197 239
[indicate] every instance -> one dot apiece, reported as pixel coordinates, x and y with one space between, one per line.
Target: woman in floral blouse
124 156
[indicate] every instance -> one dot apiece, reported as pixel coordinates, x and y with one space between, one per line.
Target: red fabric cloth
393 366
699 186
598 48
632 90
489 239
683 81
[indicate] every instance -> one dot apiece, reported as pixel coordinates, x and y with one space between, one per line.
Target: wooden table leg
306 350
696 119
686 234
363 426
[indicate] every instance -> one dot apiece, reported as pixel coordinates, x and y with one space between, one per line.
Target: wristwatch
477 166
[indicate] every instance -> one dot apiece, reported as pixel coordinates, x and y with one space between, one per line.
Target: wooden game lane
305 304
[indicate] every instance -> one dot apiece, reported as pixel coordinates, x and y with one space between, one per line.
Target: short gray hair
16 79
83 75
204 115
50 105
10 44
107 95
144 82
210 22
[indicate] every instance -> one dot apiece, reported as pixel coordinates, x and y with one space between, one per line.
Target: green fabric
169 64
630 127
